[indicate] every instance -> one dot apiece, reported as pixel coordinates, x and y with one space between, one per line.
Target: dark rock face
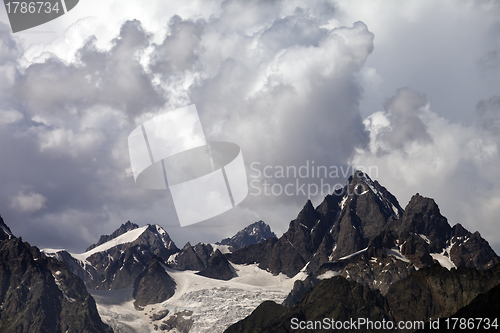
154 285
422 217
119 266
218 268
118 232
253 234
435 292
430 293
39 294
484 306
204 252
361 232
187 259
472 251
256 253
334 298
179 321
5 232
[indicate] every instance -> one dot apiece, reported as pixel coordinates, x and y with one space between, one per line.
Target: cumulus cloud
261 80
284 80
28 202
400 123
456 164
488 111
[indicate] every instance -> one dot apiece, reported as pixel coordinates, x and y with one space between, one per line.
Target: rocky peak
40 294
360 183
255 233
218 267
126 227
422 217
5 232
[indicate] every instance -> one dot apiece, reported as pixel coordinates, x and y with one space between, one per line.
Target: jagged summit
116 262
5 232
40 294
118 232
255 233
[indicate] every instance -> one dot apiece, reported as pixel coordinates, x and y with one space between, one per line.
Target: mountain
124 228
361 232
153 285
39 294
430 293
196 258
5 232
360 237
117 260
255 233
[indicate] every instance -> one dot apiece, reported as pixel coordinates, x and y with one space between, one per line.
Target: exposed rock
218 268
5 232
120 231
429 293
187 259
39 294
118 266
179 322
334 298
154 285
204 252
422 217
435 292
255 233
159 315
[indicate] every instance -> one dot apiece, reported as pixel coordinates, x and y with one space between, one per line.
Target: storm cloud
337 84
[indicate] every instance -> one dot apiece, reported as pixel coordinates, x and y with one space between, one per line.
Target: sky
409 91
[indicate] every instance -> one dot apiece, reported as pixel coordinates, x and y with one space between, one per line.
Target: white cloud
28 202
284 80
10 116
457 167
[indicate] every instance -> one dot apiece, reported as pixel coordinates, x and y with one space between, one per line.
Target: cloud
261 76
10 116
400 123
488 111
28 202
284 80
457 165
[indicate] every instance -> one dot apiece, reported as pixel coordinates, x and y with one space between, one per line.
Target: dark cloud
281 86
179 50
488 111
114 78
403 111
489 61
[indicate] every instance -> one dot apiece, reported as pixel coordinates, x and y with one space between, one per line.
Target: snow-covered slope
127 237
212 305
116 262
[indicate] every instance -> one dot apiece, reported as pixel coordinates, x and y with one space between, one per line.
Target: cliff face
39 294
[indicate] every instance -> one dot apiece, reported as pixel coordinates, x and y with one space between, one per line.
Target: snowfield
215 304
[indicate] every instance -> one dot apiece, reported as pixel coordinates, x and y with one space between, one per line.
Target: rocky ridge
39 294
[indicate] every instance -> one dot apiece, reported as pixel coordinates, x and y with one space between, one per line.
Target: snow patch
222 248
444 258
353 254
395 252
329 275
127 237
344 200
425 238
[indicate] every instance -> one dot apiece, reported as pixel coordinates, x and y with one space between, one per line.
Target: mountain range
357 254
